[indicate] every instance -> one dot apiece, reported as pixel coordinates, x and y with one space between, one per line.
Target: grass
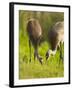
53 67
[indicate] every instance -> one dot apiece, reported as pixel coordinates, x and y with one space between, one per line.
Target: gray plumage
55 38
56 35
34 31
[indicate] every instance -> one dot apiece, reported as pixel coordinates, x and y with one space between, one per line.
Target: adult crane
34 32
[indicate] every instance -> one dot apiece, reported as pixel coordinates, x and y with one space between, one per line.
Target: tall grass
53 67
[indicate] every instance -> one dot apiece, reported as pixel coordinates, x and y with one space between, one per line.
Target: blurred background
46 20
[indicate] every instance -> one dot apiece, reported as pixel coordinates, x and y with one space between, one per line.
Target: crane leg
61 55
36 55
30 49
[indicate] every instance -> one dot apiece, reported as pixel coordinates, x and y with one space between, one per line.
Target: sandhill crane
56 38
34 32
